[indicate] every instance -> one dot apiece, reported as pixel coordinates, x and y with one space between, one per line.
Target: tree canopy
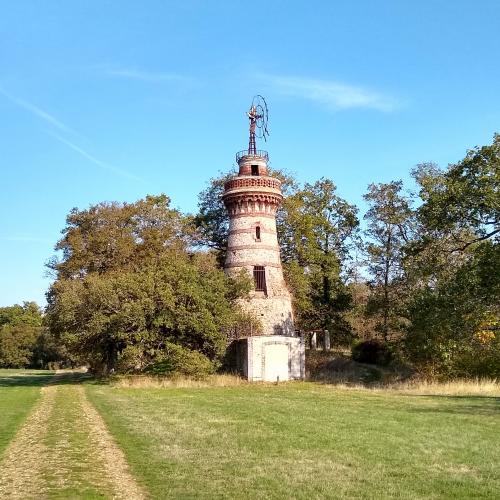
139 286
128 286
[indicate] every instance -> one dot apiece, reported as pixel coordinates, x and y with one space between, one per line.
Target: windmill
258 116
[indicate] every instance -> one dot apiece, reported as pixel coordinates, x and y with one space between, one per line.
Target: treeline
422 274
25 342
140 287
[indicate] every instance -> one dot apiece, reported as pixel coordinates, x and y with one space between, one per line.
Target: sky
112 100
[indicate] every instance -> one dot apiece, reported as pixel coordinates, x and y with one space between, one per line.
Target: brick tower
252 198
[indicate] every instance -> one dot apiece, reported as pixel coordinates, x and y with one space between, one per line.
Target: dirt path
64 450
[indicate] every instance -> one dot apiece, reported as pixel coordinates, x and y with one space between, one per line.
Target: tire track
65 449
117 470
22 463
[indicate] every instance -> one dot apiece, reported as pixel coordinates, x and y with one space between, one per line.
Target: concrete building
252 198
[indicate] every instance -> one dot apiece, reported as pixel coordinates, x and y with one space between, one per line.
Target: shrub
179 360
372 352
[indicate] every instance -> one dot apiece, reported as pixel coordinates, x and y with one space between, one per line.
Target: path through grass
19 391
305 441
63 450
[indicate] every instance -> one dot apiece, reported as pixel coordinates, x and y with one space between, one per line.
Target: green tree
454 267
24 342
28 314
389 229
17 343
464 200
316 233
212 219
454 324
128 286
110 236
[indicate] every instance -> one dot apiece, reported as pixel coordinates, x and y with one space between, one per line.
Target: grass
225 438
148 382
19 391
305 440
73 470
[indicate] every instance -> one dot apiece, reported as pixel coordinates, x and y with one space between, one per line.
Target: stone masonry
252 198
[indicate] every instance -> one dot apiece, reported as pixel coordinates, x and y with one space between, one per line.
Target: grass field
305 440
19 390
295 440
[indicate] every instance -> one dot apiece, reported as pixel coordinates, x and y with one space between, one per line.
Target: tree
17 343
212 219
389 229
128 287
24 341
110 236
454 267
464 200
317 230
454 324
28 314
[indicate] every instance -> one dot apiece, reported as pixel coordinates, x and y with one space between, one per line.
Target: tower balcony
254 183
259 155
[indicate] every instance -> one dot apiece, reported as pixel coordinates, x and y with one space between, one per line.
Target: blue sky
112 100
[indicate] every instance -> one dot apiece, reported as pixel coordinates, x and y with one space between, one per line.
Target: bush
373 352
179 360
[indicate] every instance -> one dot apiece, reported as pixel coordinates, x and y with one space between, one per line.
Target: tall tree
317 230
454 267
389 228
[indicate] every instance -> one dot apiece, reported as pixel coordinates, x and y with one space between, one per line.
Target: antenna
258 116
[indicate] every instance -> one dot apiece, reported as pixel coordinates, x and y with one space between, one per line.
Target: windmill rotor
260 105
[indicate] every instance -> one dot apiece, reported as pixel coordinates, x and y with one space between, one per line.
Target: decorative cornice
253 182
253 214
253 246
252 197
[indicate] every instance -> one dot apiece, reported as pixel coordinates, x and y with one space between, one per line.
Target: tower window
257 233
259 277
255 169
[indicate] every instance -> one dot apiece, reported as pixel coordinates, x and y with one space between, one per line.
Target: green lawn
19 390
304 440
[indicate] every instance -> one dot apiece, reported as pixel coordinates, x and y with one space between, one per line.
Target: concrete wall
265 358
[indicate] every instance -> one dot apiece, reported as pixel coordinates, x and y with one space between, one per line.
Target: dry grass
460 387
472 387
146 381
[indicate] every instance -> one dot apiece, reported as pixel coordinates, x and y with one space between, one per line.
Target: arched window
257 233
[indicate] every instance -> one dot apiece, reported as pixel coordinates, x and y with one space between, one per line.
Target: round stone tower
252 198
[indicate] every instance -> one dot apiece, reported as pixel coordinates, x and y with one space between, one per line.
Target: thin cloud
96 161
146 76
40 113
332 94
